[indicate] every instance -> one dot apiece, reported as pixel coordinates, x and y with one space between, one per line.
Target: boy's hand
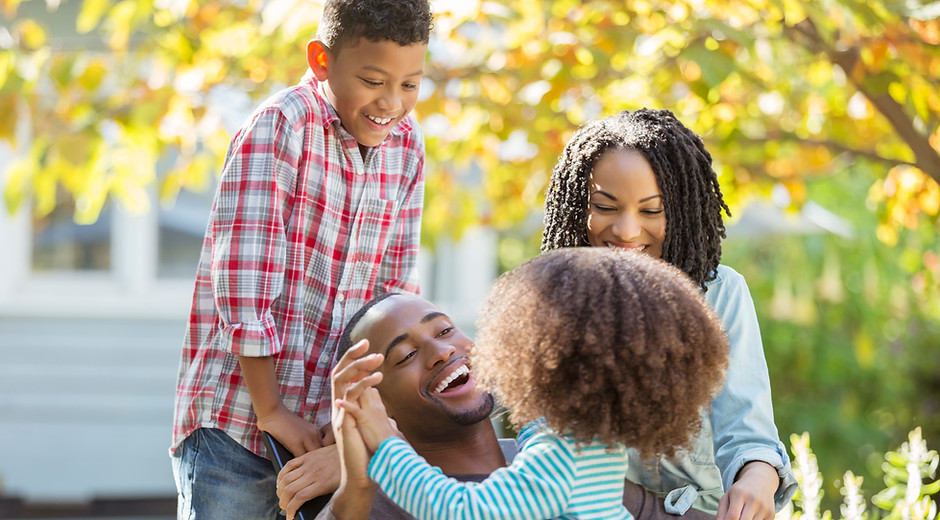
313 474
296 434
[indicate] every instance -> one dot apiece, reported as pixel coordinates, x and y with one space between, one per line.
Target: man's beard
468 417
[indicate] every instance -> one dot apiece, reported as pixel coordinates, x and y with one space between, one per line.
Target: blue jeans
218 478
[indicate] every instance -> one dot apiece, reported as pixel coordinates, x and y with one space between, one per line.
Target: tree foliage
832 101
782 91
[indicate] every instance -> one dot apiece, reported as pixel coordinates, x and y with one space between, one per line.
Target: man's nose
440 353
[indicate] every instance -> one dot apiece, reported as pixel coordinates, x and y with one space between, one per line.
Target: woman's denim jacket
739 426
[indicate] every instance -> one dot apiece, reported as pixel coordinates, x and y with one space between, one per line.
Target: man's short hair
345 341
404 22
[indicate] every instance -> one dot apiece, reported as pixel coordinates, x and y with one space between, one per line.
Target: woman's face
625 204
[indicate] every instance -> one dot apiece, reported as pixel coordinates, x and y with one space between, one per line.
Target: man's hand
311 475
751 497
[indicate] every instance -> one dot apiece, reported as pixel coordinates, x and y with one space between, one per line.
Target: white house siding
86 407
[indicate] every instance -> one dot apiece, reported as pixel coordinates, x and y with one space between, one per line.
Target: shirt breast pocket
374 222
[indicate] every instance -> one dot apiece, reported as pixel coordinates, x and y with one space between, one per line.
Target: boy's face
373 85
427 384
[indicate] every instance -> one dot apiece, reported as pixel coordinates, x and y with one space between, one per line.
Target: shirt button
308 417
360 172
340 298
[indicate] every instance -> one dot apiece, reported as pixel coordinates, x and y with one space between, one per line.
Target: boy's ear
318 58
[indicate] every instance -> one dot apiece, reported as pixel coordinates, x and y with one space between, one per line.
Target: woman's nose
627 227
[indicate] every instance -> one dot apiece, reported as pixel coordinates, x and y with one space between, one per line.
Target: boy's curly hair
683 167
403 21
604 344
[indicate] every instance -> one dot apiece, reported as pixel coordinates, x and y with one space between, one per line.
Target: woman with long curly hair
641 180
590 350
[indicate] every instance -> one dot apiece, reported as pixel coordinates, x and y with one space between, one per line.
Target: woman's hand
751 497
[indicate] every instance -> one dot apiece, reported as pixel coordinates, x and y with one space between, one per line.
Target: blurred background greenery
821 115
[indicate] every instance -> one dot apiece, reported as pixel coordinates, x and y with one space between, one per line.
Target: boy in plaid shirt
318 210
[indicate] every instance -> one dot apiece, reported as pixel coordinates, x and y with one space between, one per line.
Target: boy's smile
372 85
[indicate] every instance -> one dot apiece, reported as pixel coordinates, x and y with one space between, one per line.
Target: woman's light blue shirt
738 428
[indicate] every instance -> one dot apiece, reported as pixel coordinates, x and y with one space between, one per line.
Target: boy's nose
390 101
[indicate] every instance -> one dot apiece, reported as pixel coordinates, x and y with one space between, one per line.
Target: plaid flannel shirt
303 231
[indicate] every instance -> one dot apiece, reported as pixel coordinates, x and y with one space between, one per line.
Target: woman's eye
600 207
652 211
407 357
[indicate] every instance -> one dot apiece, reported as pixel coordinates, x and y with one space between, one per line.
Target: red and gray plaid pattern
303 231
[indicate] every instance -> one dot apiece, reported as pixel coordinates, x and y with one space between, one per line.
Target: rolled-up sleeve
250 246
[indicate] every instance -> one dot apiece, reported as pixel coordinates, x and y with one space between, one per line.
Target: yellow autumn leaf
31 33
90 15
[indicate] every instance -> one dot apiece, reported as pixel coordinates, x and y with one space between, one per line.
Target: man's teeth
461 370
380 120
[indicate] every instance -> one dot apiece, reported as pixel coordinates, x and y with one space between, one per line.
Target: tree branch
926 157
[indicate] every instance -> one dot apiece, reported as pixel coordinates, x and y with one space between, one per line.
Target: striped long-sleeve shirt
549 478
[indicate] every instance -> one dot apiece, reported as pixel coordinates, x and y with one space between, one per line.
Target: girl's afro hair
605 344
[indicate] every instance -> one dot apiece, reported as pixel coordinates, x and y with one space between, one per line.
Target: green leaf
715 65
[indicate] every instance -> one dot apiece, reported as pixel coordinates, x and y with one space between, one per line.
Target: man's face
427 385
373 86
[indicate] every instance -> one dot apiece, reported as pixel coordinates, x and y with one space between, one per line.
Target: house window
180 233
59 244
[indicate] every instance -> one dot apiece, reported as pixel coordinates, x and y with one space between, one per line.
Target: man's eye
445 332
407 357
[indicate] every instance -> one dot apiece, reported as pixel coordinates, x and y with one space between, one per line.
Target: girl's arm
537 485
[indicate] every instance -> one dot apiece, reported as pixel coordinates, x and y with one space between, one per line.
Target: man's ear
318 58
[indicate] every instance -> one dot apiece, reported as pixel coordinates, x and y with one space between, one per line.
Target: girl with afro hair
641 180
591 350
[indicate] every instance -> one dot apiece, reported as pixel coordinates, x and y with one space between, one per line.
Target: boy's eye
371 83
407 357
410 86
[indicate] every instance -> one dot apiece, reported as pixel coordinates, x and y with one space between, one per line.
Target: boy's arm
296 434
399 268
249 260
